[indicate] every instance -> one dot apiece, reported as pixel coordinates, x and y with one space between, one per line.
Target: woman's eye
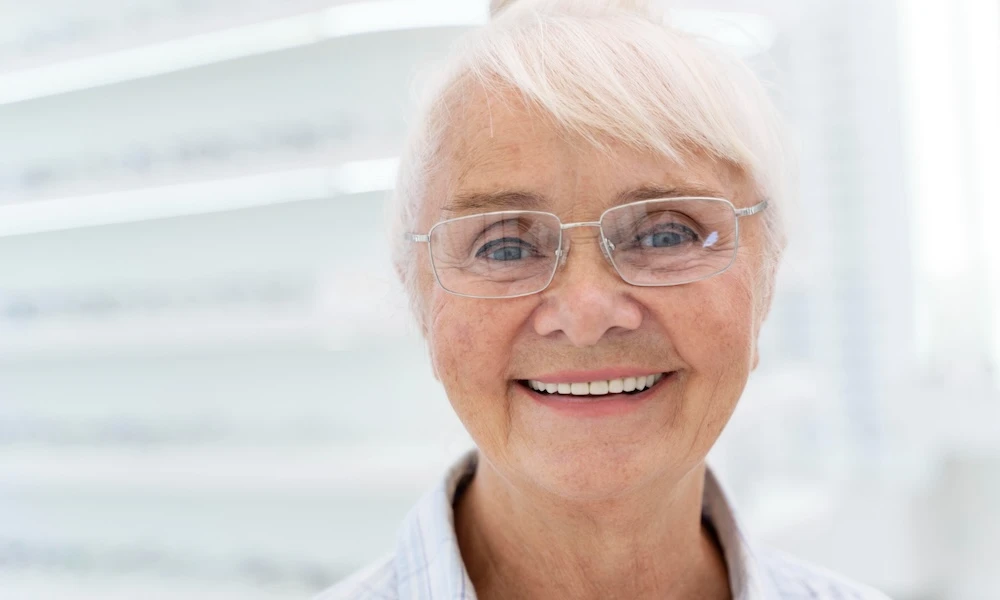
675 236
504 249
508 253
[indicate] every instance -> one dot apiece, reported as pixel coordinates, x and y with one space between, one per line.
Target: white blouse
427 565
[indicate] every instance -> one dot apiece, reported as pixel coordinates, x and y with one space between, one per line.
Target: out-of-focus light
388 15
209 48
203 197
364 176
982 46
746 34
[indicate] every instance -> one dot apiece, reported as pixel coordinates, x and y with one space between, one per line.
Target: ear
430 354
765 297
416 312
434 371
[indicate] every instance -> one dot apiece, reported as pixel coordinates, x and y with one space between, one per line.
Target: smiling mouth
604 387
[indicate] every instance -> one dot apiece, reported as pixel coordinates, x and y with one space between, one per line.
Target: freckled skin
588 318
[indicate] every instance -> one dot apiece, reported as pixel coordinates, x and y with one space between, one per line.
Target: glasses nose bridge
565 226
564 250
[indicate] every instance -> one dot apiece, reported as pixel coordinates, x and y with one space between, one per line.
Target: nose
587 300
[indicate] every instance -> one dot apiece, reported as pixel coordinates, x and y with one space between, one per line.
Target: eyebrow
523 200
653 192
493 201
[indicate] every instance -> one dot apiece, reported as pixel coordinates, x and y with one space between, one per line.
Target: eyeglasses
662 242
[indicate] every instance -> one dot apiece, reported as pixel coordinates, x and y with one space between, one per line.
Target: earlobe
763 311
430 352
434 369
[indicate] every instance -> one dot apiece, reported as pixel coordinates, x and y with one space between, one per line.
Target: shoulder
794 578
376 581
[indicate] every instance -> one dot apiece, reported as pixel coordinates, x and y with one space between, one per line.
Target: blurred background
209 386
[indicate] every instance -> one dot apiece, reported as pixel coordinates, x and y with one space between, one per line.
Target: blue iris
675 236
504 249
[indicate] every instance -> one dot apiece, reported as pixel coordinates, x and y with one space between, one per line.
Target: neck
527 543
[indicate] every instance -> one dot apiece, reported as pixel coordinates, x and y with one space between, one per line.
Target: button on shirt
427 565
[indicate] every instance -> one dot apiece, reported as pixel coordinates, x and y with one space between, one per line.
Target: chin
598 471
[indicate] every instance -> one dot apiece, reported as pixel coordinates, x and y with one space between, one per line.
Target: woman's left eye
507 253
667 238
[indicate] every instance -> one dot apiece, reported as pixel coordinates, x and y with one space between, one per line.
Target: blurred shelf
211 332
37 38
361 470
195 198
57 583
342 20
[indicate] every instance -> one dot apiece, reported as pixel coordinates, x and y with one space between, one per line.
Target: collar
428 563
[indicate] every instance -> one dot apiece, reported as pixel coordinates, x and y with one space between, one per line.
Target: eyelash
673 227
499 243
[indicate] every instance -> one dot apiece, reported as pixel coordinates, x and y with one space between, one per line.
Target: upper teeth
597 388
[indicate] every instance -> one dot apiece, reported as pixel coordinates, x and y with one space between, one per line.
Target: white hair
603 69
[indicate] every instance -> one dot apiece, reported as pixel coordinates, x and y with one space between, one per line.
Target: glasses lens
670 242
496 255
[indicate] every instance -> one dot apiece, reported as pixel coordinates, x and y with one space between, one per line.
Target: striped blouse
426 563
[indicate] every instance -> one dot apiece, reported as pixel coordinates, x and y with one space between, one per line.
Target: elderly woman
588 224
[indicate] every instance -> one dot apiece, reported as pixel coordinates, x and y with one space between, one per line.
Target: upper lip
596 375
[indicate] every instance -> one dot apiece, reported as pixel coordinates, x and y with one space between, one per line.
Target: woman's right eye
504 249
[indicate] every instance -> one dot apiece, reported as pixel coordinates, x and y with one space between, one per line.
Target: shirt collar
429 564
746 579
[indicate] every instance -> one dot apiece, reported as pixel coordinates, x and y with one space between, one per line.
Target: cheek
470 343
714 320
710 324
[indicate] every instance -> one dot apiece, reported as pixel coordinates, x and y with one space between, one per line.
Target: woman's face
589 324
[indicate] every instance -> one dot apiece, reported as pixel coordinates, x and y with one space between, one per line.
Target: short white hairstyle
602 70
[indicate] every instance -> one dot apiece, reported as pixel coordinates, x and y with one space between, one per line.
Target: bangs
625 79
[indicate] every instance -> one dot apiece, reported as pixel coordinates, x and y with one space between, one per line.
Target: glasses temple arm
752 210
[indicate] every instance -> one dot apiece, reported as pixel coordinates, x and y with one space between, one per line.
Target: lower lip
597 406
